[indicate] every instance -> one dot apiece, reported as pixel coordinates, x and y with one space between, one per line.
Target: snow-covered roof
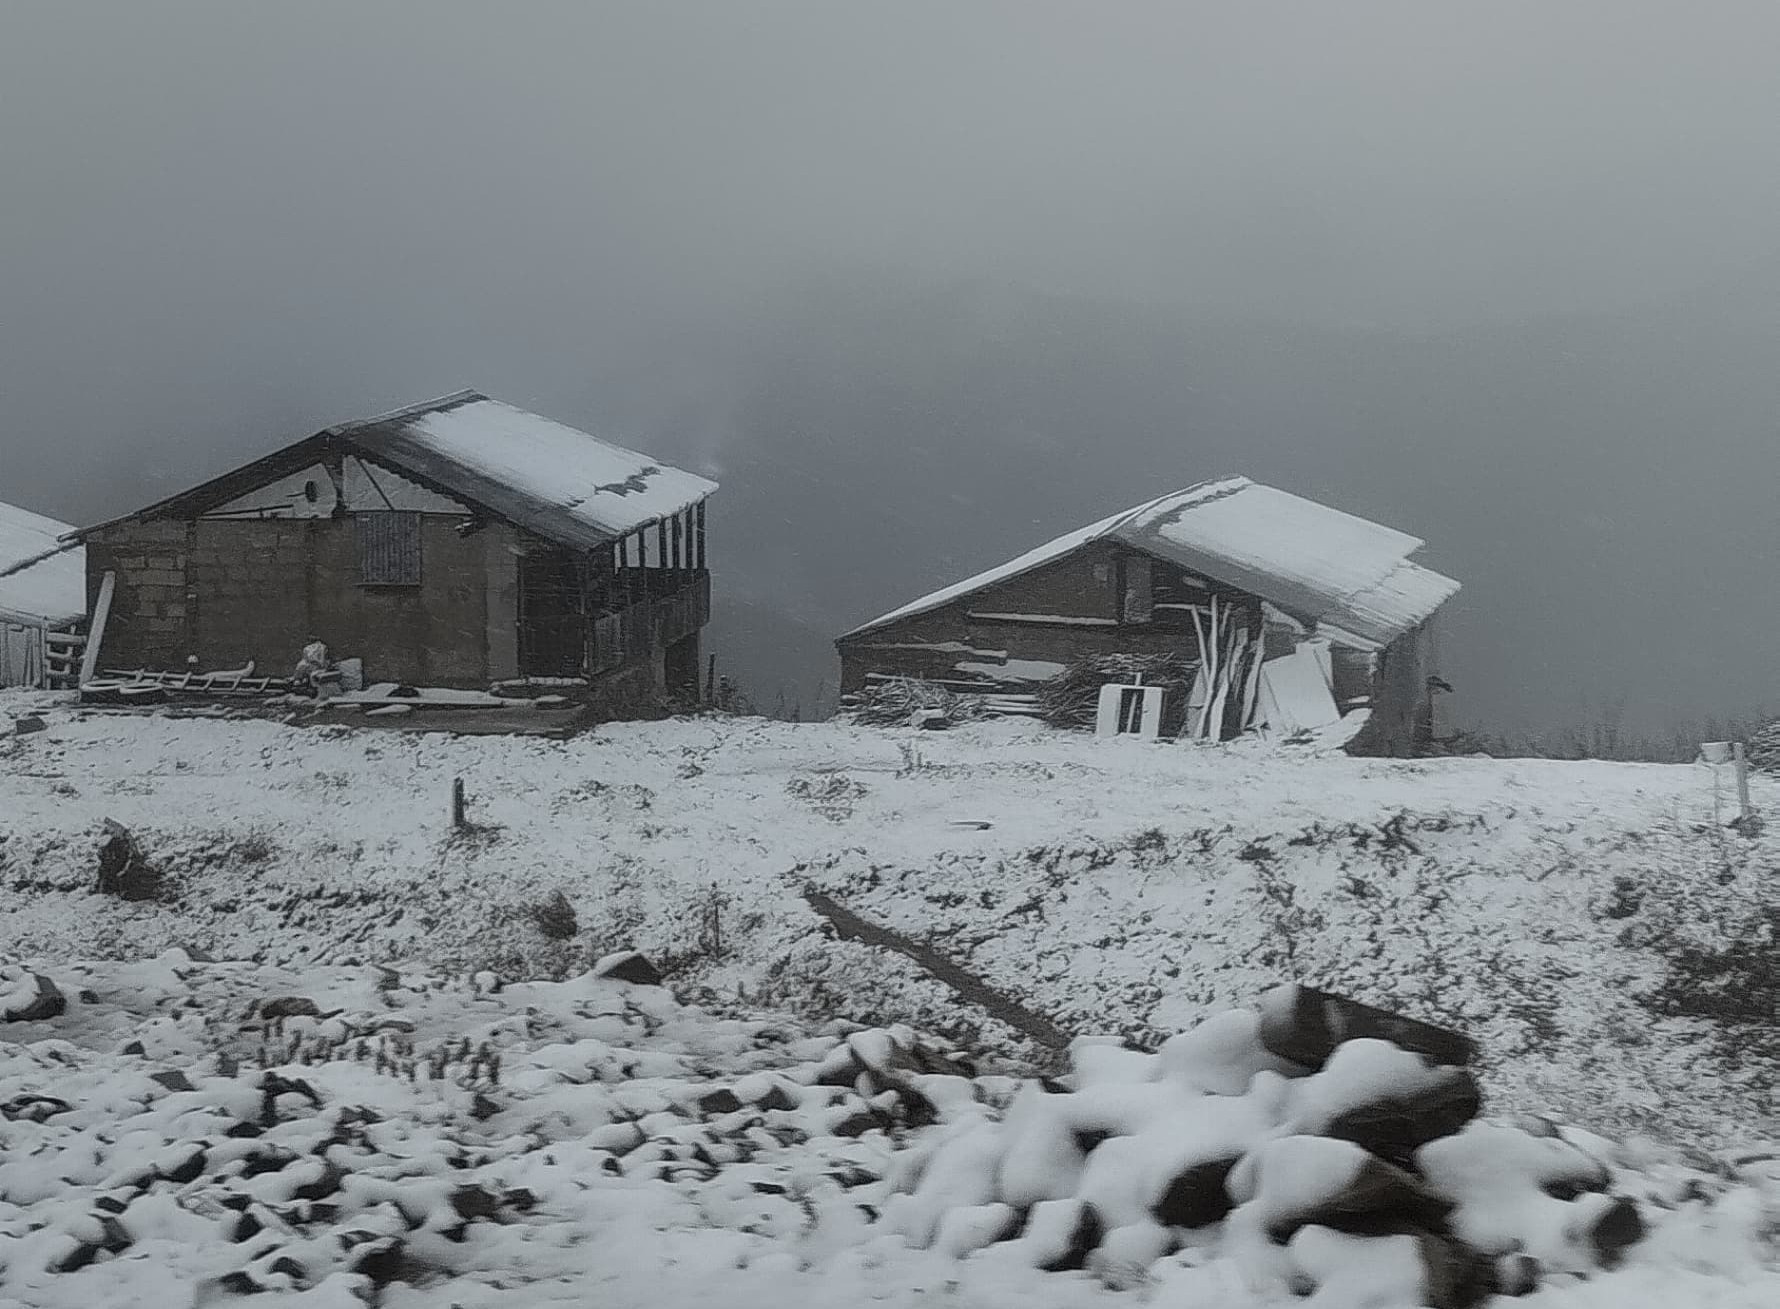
566 485
561 482
41 576
1317 563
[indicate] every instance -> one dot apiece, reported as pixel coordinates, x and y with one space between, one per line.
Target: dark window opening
552 623
388 548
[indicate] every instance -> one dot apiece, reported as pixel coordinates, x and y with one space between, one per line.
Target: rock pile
180 1131
382 1128
1311 1146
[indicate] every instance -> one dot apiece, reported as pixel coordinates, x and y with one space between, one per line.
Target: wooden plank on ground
851 927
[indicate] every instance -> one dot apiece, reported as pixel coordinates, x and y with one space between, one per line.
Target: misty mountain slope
786 668
1571 471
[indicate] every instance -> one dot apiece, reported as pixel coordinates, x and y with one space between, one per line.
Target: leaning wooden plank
1214 711
1214 673
1200 691
1251 700
849 926
96 630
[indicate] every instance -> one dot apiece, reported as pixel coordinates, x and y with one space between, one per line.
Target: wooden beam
701 535
96 629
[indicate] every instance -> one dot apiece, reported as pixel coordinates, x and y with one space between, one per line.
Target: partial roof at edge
1317 563
41 575
566 485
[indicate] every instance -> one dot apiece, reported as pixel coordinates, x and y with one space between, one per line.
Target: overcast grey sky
223 225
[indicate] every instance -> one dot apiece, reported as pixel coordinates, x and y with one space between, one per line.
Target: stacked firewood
1072 698
895 702
1763 749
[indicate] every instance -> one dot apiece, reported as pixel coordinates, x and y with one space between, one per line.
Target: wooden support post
458 821
679 543
1744 809
661 543
96 629
700 511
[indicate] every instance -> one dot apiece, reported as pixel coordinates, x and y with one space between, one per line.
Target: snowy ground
187 1133
1112 886
1118 887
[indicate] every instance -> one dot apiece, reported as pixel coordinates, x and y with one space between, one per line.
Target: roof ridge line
452 399
1122 520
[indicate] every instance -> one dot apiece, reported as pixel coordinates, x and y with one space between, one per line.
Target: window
388 548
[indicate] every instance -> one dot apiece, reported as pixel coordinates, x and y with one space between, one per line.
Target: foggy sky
223 226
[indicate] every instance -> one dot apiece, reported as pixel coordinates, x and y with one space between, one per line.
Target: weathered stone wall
240 590
151 608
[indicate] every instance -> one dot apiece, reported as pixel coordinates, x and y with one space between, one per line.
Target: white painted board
1294 694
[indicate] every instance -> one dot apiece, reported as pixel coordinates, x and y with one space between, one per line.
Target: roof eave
224 486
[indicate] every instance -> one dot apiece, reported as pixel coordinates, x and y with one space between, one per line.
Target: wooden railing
650 625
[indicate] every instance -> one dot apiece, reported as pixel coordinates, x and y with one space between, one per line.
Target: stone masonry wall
151 607
257 590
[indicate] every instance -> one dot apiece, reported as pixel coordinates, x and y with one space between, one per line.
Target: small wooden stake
457 804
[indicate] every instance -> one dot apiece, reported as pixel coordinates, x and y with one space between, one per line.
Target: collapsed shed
42 599
455 543
1278 611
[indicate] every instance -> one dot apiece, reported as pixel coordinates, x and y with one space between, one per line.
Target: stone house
461 542
1281 613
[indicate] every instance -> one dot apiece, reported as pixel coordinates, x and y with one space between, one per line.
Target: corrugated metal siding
21 654
388 548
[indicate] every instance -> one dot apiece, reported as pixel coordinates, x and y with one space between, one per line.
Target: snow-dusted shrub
555 917
832 795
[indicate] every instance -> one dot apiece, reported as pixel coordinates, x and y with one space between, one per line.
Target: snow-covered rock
28 997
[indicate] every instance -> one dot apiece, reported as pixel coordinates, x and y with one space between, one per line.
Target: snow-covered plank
1294 695
1065 620
1014 670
